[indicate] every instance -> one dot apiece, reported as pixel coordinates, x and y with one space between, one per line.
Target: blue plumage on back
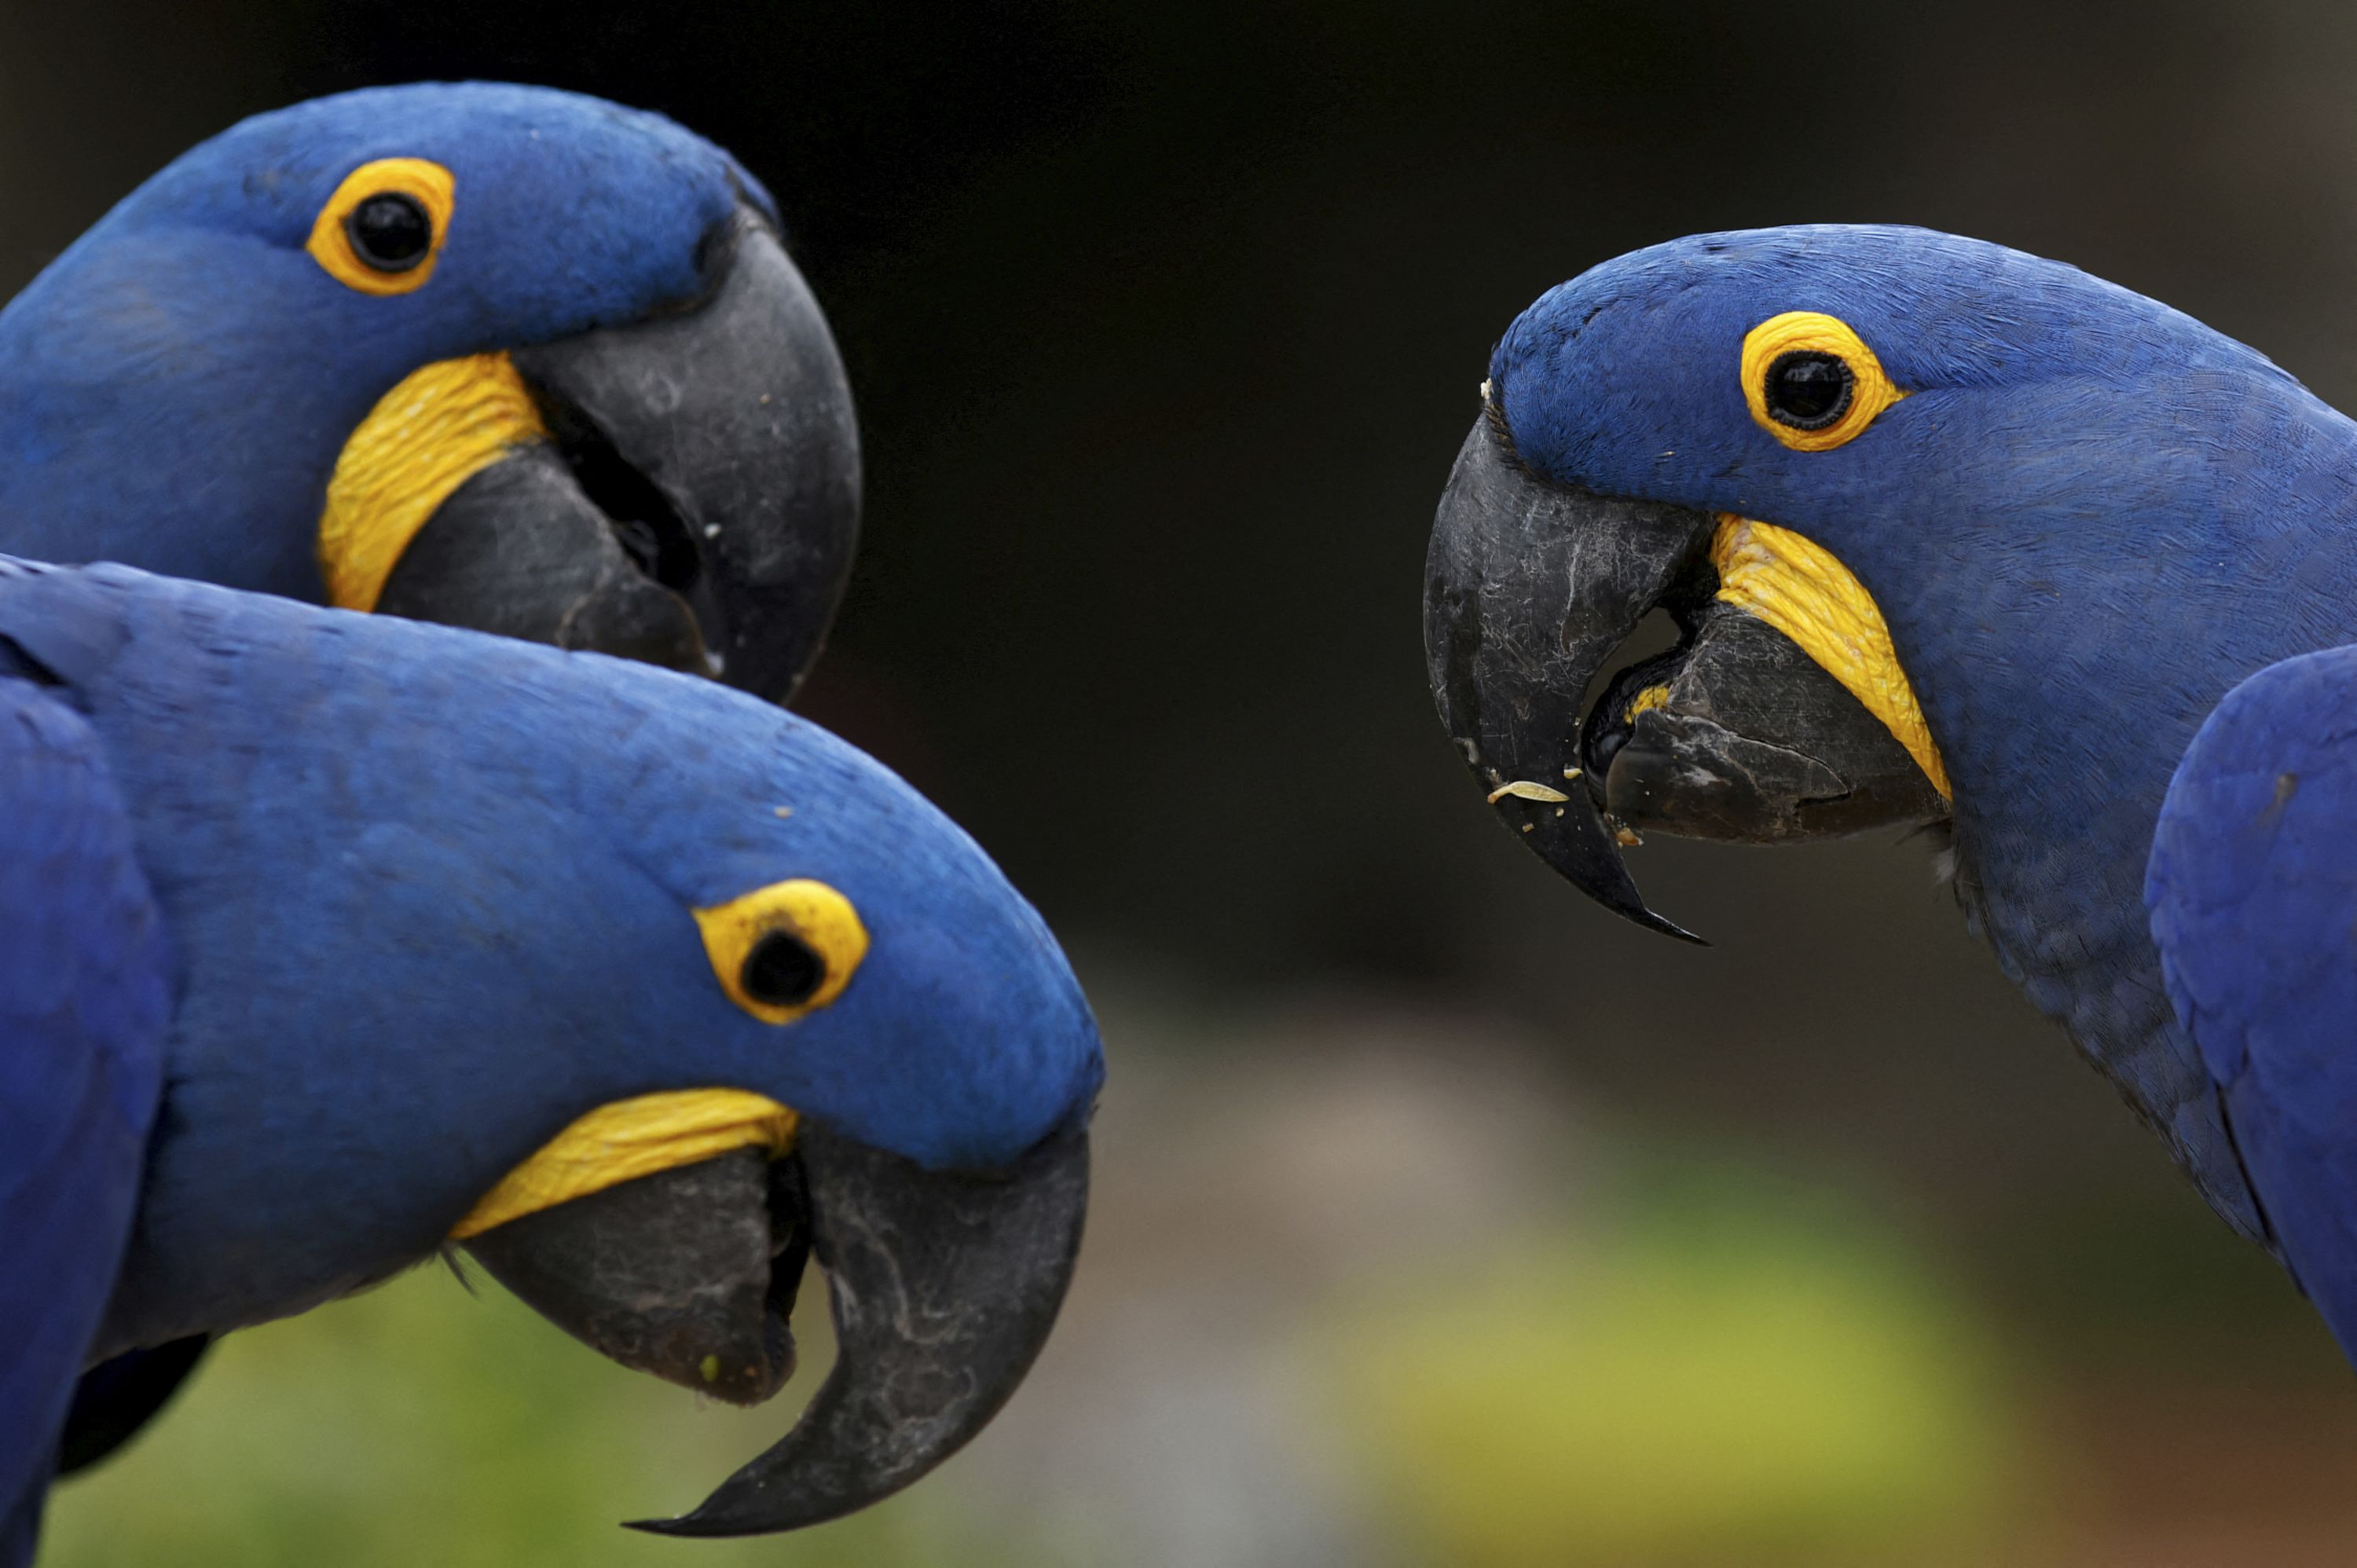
84 996
2252 889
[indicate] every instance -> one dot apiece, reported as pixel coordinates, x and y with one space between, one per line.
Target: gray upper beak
1528 589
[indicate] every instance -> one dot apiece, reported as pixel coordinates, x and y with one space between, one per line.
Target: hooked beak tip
1529 587
943 1288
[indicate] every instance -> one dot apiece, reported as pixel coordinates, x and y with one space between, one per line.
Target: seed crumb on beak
1526 789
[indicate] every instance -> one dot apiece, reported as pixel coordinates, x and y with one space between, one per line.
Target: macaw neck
160 433
2063 685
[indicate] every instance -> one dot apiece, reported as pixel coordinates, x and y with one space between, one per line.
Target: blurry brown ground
1166 318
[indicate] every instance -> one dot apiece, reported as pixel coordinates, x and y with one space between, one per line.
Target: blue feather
84 999
2253 892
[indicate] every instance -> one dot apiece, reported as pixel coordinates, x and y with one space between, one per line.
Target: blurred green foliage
1731 1370
419 1425
1699 1359
1728 1369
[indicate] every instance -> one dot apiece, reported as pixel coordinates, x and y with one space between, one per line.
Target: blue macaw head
499 356
1953 534
636 986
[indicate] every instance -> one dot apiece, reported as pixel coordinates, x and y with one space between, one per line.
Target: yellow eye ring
382 230
784 951
1811 382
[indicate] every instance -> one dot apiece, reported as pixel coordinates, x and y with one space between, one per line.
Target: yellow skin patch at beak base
1804 591
628 1139
437 429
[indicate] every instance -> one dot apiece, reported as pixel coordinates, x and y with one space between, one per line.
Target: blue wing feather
2251 888
84 999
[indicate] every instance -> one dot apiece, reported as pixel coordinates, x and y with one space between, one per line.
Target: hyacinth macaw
330 940
1959 536
496 356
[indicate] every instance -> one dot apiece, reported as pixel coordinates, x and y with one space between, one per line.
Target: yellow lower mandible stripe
1802 590
628 1139
440 427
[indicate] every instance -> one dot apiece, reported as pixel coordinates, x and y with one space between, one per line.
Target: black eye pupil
782 971
390 232
1809 389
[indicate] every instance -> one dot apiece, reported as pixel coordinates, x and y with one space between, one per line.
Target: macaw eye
784 951
1808 390
390 232
382 230
1810 380
782 971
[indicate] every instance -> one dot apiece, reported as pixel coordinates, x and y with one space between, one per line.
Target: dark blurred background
1166 318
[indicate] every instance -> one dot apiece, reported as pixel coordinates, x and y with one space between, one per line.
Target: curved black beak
1736 735
1528 589
943 1288
698 503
